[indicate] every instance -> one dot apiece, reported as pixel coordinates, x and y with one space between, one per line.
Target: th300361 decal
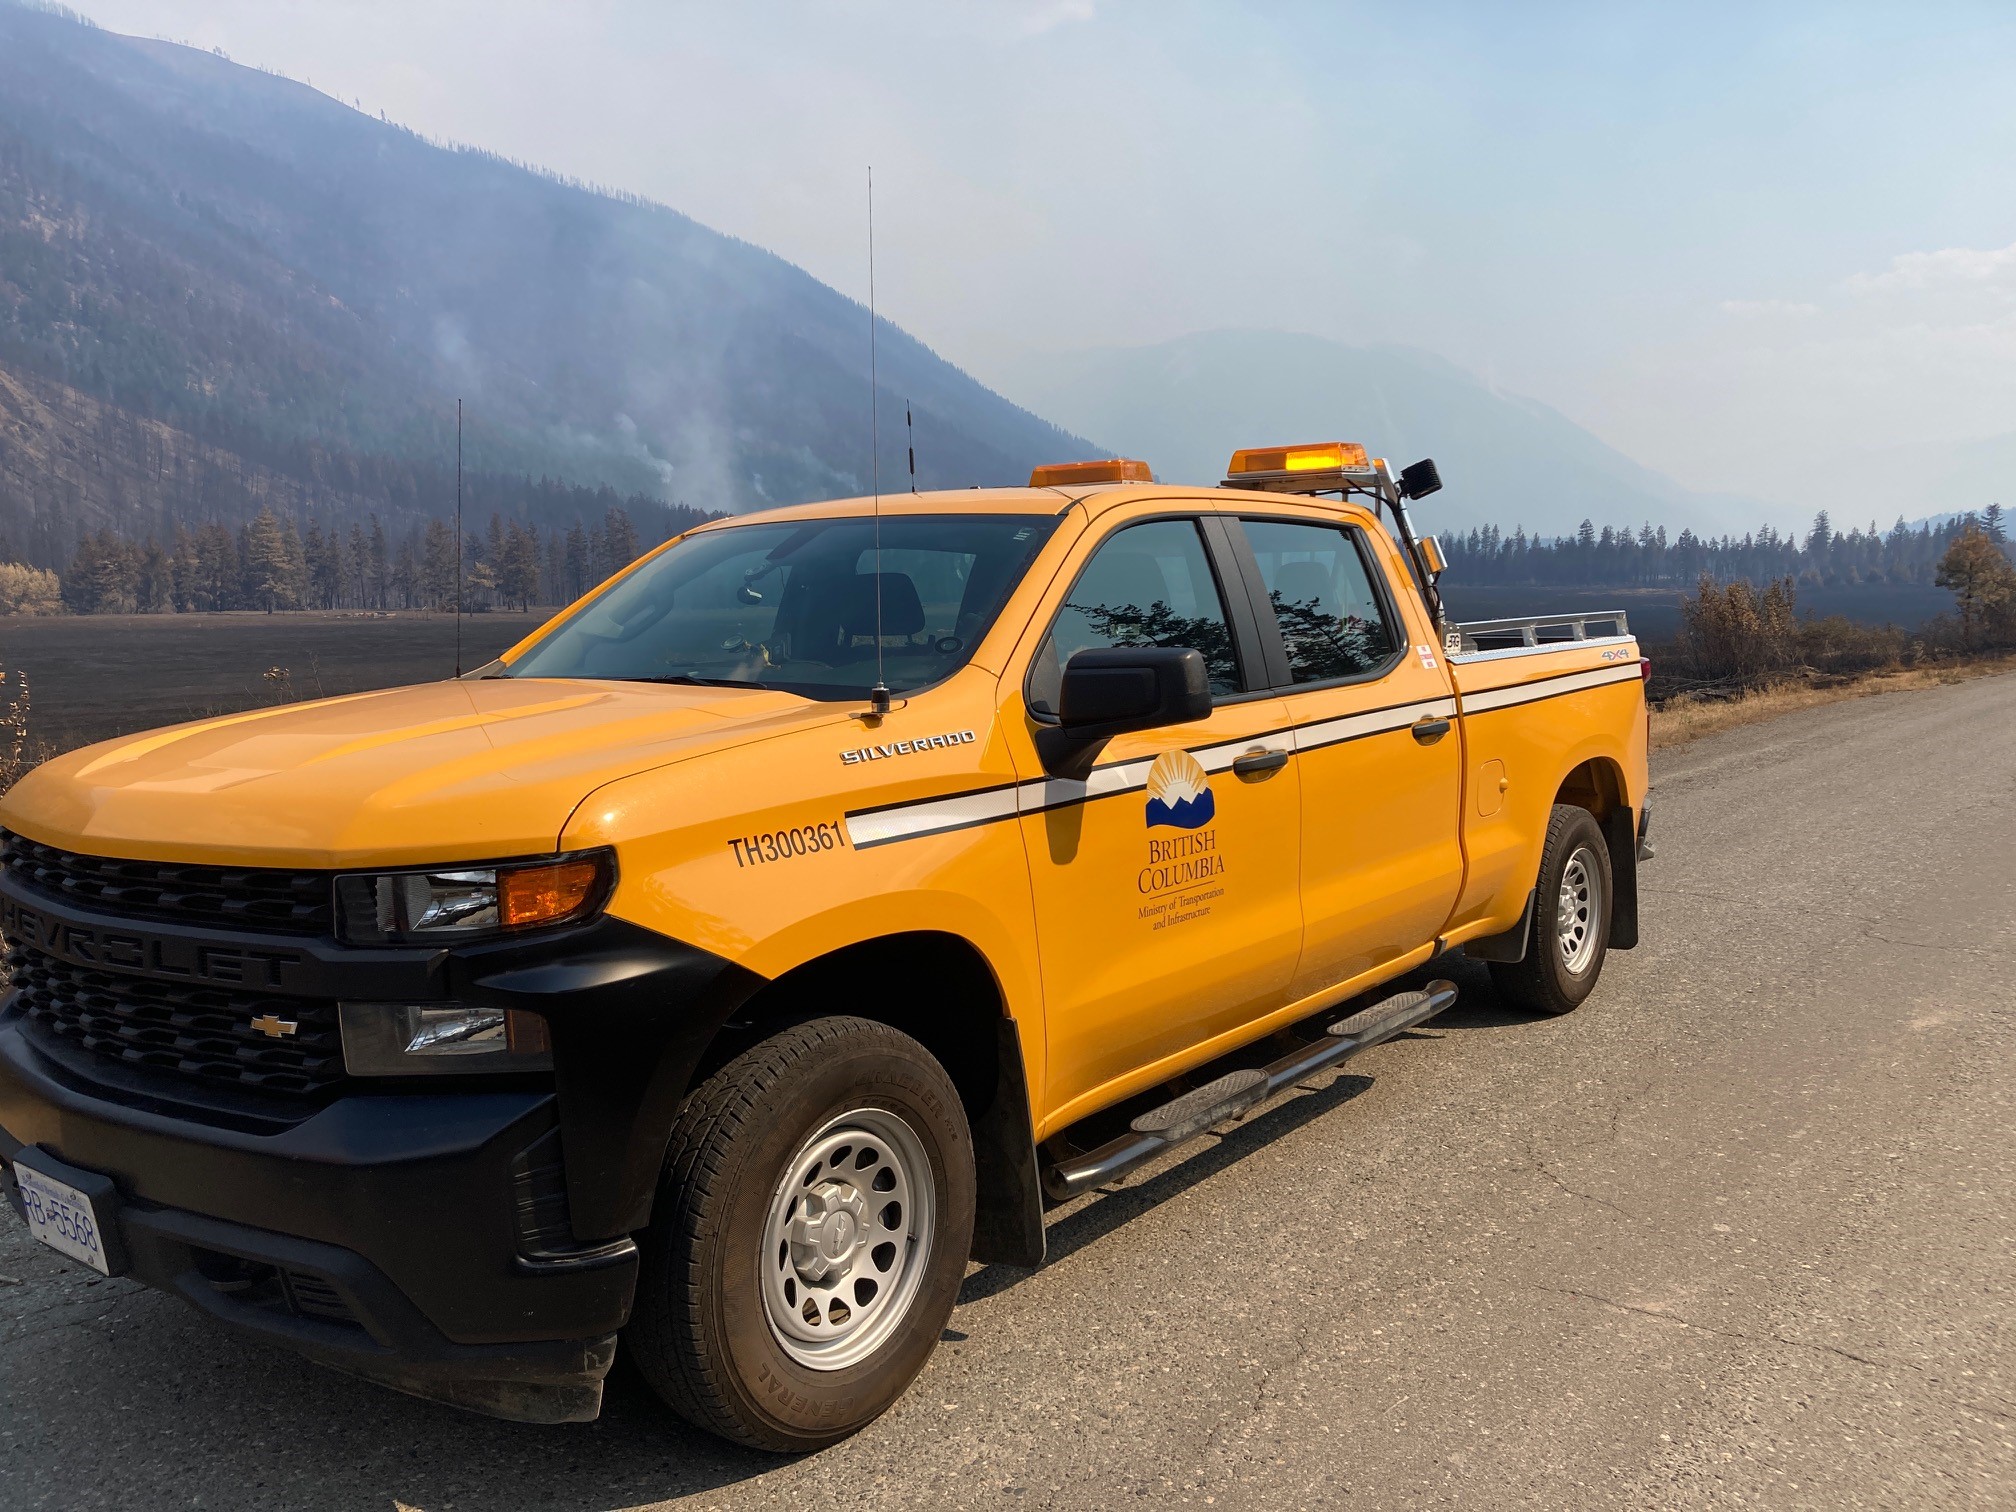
782 845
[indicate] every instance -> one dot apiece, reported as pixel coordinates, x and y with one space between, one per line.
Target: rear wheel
809 1238
1570 932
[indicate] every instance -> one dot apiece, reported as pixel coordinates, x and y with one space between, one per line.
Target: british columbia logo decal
1182 879
1179 793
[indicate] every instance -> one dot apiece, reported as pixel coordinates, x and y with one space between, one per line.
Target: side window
1331 618
1149 585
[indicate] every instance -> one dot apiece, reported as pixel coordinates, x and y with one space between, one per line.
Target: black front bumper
376 1236
383 1231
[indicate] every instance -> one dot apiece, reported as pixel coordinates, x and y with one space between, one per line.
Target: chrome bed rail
1535 630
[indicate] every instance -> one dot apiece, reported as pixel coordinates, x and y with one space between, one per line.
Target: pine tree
518 567
1981 578
554 586
403 582
186 573
297 567
219 568
315 554
155 580
379 587
79 588
358 583
1821 536
437 567
619 538
269 569
578 561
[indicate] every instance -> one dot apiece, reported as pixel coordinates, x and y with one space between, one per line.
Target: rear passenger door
1375 738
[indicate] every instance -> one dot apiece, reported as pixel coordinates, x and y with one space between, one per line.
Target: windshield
793 606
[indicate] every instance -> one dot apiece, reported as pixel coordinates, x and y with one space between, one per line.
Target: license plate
62 1218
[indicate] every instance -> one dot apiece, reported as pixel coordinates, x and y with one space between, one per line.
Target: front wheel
1571 919
809 1237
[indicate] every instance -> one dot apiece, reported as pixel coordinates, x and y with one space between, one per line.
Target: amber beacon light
1107 470
1294 461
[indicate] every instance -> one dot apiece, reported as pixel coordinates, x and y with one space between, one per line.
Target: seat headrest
854 604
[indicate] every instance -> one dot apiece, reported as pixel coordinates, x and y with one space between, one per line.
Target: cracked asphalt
1739 1232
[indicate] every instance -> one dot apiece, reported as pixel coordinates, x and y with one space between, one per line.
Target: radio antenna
878 696
458 537
910 430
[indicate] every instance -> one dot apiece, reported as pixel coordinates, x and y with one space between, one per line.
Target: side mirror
1420 480
1113 691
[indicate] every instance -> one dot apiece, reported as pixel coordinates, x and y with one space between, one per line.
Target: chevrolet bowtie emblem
268 1024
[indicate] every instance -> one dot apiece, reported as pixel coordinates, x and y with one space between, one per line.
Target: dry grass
1684 719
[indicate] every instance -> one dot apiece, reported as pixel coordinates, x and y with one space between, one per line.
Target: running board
1237 1092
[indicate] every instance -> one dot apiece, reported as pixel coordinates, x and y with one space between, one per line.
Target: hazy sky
1768 249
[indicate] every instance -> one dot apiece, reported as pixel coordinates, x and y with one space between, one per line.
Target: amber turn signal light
548 894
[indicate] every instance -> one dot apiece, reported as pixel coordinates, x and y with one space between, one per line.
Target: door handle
1428 731
1259 762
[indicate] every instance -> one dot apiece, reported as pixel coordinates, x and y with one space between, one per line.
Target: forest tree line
271 563
1734 637
1616 557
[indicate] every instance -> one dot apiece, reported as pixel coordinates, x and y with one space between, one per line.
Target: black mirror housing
1420 480
1115 690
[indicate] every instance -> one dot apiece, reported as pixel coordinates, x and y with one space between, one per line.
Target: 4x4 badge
275 1027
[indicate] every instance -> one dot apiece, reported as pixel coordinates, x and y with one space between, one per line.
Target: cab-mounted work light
1420 480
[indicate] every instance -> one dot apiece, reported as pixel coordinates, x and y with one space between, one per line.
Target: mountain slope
1186 405
261 267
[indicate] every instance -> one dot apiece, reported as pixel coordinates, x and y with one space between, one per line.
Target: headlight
441 1039
452 903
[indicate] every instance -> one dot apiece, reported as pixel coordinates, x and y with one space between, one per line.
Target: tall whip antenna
878 696
458 537
910 430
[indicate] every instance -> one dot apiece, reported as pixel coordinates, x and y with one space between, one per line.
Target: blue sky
1768 249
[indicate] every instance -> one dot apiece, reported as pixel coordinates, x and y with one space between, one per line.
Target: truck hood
450 771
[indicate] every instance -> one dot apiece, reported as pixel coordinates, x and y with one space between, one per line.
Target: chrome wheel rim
1579 909
848 1238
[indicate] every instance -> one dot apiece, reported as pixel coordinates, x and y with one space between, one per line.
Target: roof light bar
1300 469
1107 470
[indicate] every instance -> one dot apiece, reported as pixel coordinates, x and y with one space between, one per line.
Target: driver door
1165 883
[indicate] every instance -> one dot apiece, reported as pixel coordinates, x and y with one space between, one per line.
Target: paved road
1737 1233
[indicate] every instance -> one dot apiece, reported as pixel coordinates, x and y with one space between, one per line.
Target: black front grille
185 1029
265 899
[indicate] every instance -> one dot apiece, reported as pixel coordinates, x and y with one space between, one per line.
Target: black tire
1544 981
702 1333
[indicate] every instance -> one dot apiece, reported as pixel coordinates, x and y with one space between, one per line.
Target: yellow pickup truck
789 923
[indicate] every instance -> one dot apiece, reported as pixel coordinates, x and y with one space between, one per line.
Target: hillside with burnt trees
222 291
